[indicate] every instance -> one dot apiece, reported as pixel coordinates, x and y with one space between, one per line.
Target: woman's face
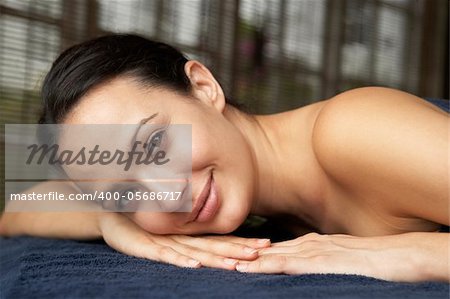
218 147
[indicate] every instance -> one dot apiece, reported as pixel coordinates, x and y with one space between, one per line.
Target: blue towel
45 268
441 103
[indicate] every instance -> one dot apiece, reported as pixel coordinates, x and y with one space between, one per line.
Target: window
376 44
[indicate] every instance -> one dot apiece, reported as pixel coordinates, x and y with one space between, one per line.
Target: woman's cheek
202 150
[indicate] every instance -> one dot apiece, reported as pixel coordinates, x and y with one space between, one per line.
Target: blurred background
270 55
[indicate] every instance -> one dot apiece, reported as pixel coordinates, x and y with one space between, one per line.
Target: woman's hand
405 257
125 236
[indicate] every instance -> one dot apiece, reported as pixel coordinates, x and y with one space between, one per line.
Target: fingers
206 258
280 249
126 237
214 251
222 246
185 251
315 237
168 255
299 240
270 264
251 242
314 253
305 248
282 257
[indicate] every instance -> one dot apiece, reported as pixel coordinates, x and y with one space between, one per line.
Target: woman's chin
230 224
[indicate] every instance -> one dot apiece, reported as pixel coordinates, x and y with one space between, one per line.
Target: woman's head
123 79
87 65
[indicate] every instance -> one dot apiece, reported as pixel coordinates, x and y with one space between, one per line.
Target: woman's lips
210 206
206 204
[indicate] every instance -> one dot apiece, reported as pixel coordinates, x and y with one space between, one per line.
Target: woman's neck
281 149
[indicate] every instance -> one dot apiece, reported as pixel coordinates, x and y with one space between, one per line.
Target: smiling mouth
206 205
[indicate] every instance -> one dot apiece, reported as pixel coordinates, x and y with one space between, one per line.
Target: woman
366 170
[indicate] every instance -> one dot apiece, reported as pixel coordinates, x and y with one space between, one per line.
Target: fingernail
263 241
194 263
241 267
231 262
250 250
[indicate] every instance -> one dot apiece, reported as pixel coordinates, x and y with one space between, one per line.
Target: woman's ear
204 85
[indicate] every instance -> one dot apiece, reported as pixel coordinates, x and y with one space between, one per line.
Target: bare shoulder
362 109
371 100
389 144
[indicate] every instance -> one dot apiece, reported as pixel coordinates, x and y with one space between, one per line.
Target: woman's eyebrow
142 122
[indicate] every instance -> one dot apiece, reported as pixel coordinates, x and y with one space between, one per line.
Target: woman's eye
155 140
125 197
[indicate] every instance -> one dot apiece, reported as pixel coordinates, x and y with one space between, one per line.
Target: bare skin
363 172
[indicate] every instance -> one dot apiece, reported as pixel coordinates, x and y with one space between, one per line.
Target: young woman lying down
366 171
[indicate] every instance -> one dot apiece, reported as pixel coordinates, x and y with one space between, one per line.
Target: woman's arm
391 148
125 236
409 257
40 223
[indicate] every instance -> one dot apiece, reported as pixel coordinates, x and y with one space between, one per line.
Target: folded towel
441 103
46 268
